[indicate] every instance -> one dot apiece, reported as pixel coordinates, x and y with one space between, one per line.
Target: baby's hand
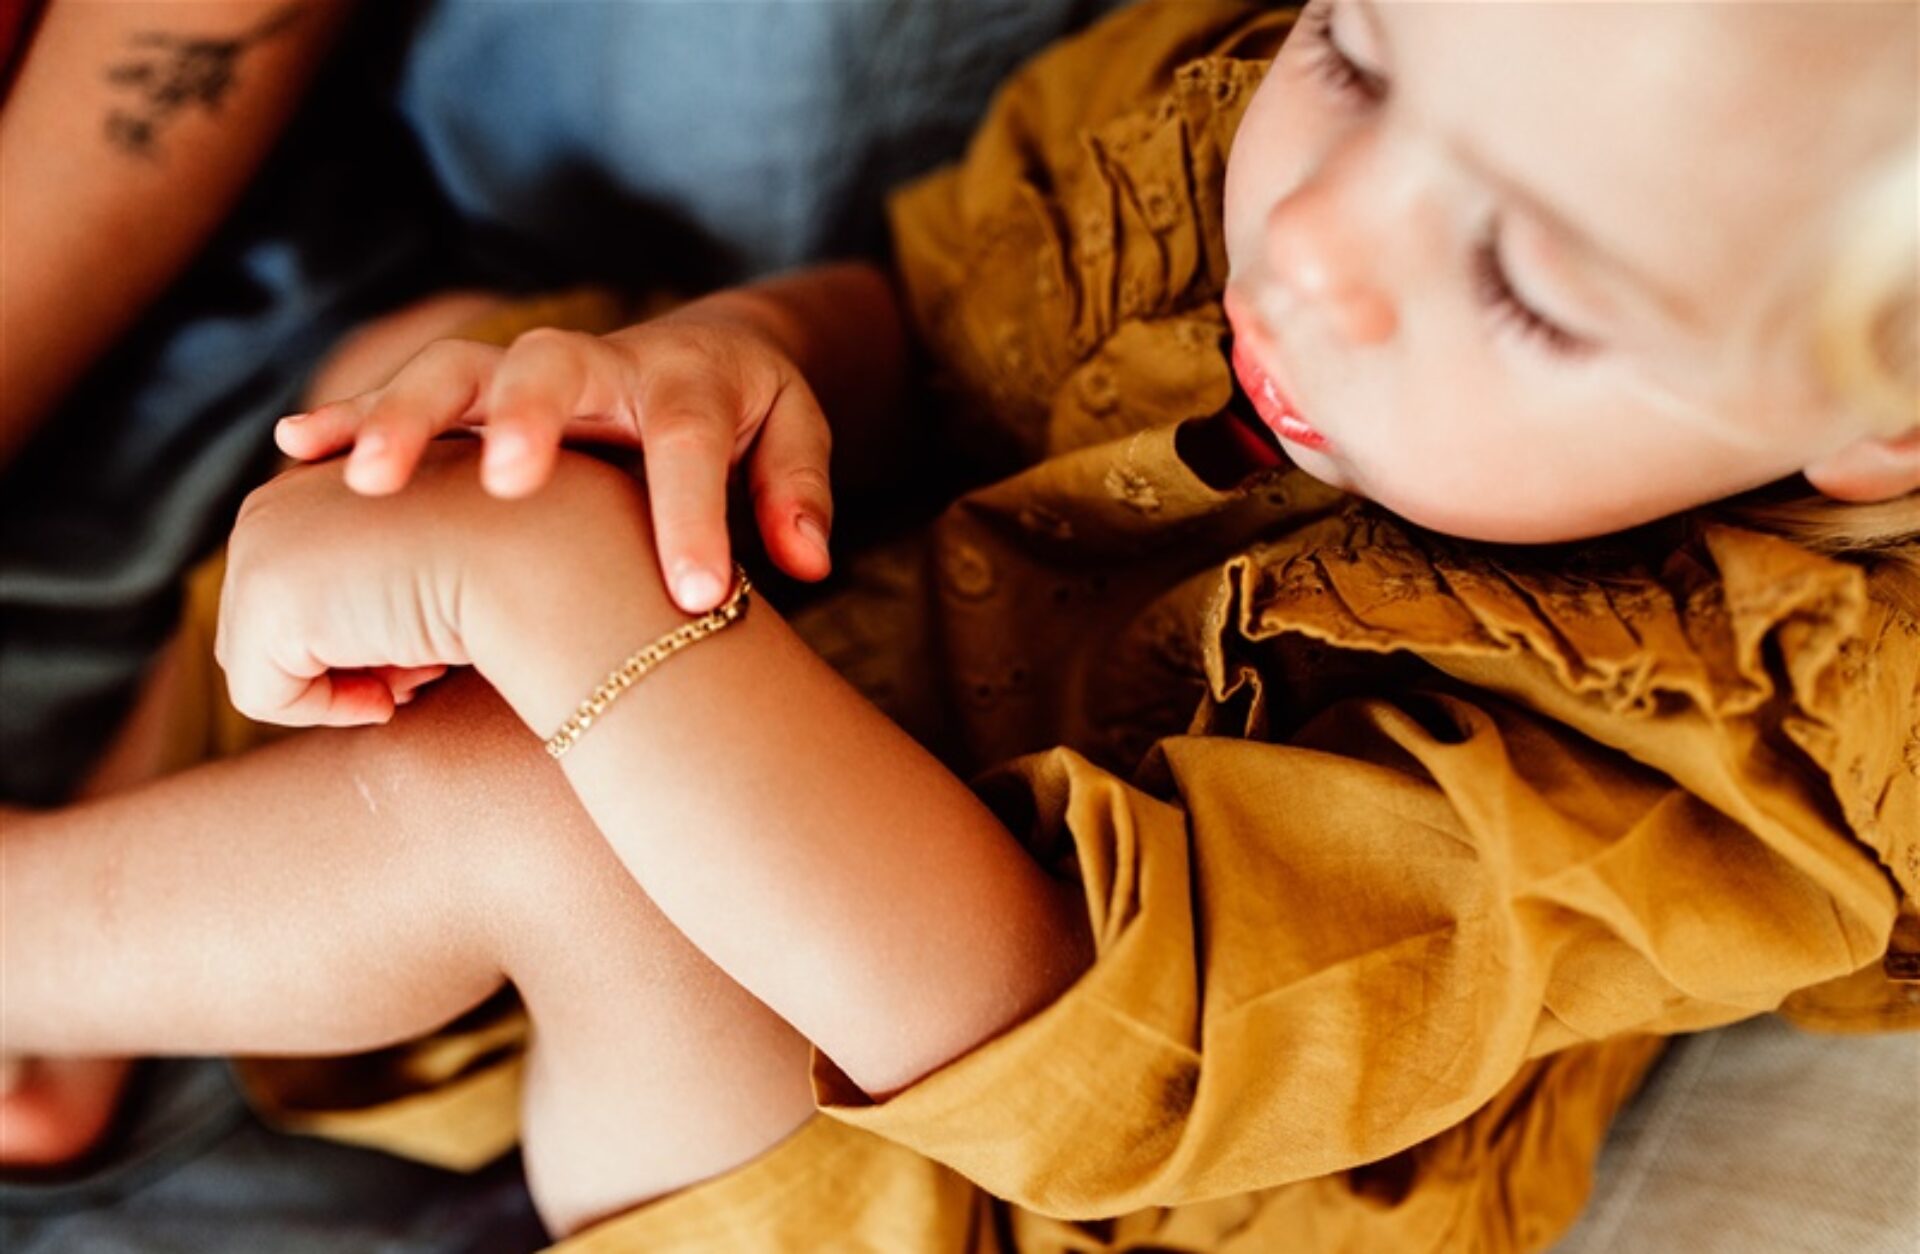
336 608
698 390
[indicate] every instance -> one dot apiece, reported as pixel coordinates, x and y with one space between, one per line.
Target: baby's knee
498 830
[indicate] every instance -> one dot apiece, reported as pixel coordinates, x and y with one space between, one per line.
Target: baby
1387 847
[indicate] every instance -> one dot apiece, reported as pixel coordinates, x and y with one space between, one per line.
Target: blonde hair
1867 344
1867 349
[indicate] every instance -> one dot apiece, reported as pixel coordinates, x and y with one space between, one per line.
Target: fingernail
363 461
697 590
813 530
505 449
293 420
369 446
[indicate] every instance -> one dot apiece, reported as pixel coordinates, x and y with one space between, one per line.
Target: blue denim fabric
768 130
684 142
690 142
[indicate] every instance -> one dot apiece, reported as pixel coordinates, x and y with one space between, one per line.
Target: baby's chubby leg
347 890
53 1110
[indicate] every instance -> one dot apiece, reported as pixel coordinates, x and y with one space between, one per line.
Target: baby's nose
1325 250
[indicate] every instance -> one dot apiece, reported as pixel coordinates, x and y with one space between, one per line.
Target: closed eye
1331 63
1508 307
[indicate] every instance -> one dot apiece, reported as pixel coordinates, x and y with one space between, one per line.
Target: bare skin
888 940
1496 268
128 135
372 885
352 889
130 132
52 1111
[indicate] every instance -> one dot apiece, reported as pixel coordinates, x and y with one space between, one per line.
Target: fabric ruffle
1066 274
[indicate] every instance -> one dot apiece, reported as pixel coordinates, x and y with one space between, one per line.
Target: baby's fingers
404 682
342 698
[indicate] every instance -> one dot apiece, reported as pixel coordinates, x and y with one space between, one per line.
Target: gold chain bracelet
630 672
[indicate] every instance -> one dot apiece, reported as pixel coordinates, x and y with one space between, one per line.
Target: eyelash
1506 306
1491 285
1335 67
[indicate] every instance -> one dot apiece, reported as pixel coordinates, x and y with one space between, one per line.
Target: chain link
645 659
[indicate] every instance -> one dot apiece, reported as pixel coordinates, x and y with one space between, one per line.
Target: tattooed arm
128 135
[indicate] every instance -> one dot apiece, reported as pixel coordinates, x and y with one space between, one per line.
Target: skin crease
1352 223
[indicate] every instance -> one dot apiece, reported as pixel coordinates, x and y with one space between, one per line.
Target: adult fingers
321 431
787 475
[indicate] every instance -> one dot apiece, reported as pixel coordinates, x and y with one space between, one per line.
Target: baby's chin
1488 518
1493 521
1321 466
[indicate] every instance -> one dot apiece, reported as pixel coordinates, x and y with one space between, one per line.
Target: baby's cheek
1241 226
1273 152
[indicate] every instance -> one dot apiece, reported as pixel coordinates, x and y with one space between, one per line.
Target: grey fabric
257 1192
1762 1139
175 1110
709 141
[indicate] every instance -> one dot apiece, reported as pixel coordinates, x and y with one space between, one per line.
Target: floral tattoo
166 75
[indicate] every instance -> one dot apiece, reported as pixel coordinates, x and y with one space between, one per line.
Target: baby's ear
1872 468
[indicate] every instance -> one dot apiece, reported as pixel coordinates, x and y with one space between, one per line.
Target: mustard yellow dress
1403 855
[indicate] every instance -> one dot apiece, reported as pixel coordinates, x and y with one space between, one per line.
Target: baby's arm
344 891
812 849
807 845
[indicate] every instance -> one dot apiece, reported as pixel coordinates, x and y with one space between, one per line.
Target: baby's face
1535 271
